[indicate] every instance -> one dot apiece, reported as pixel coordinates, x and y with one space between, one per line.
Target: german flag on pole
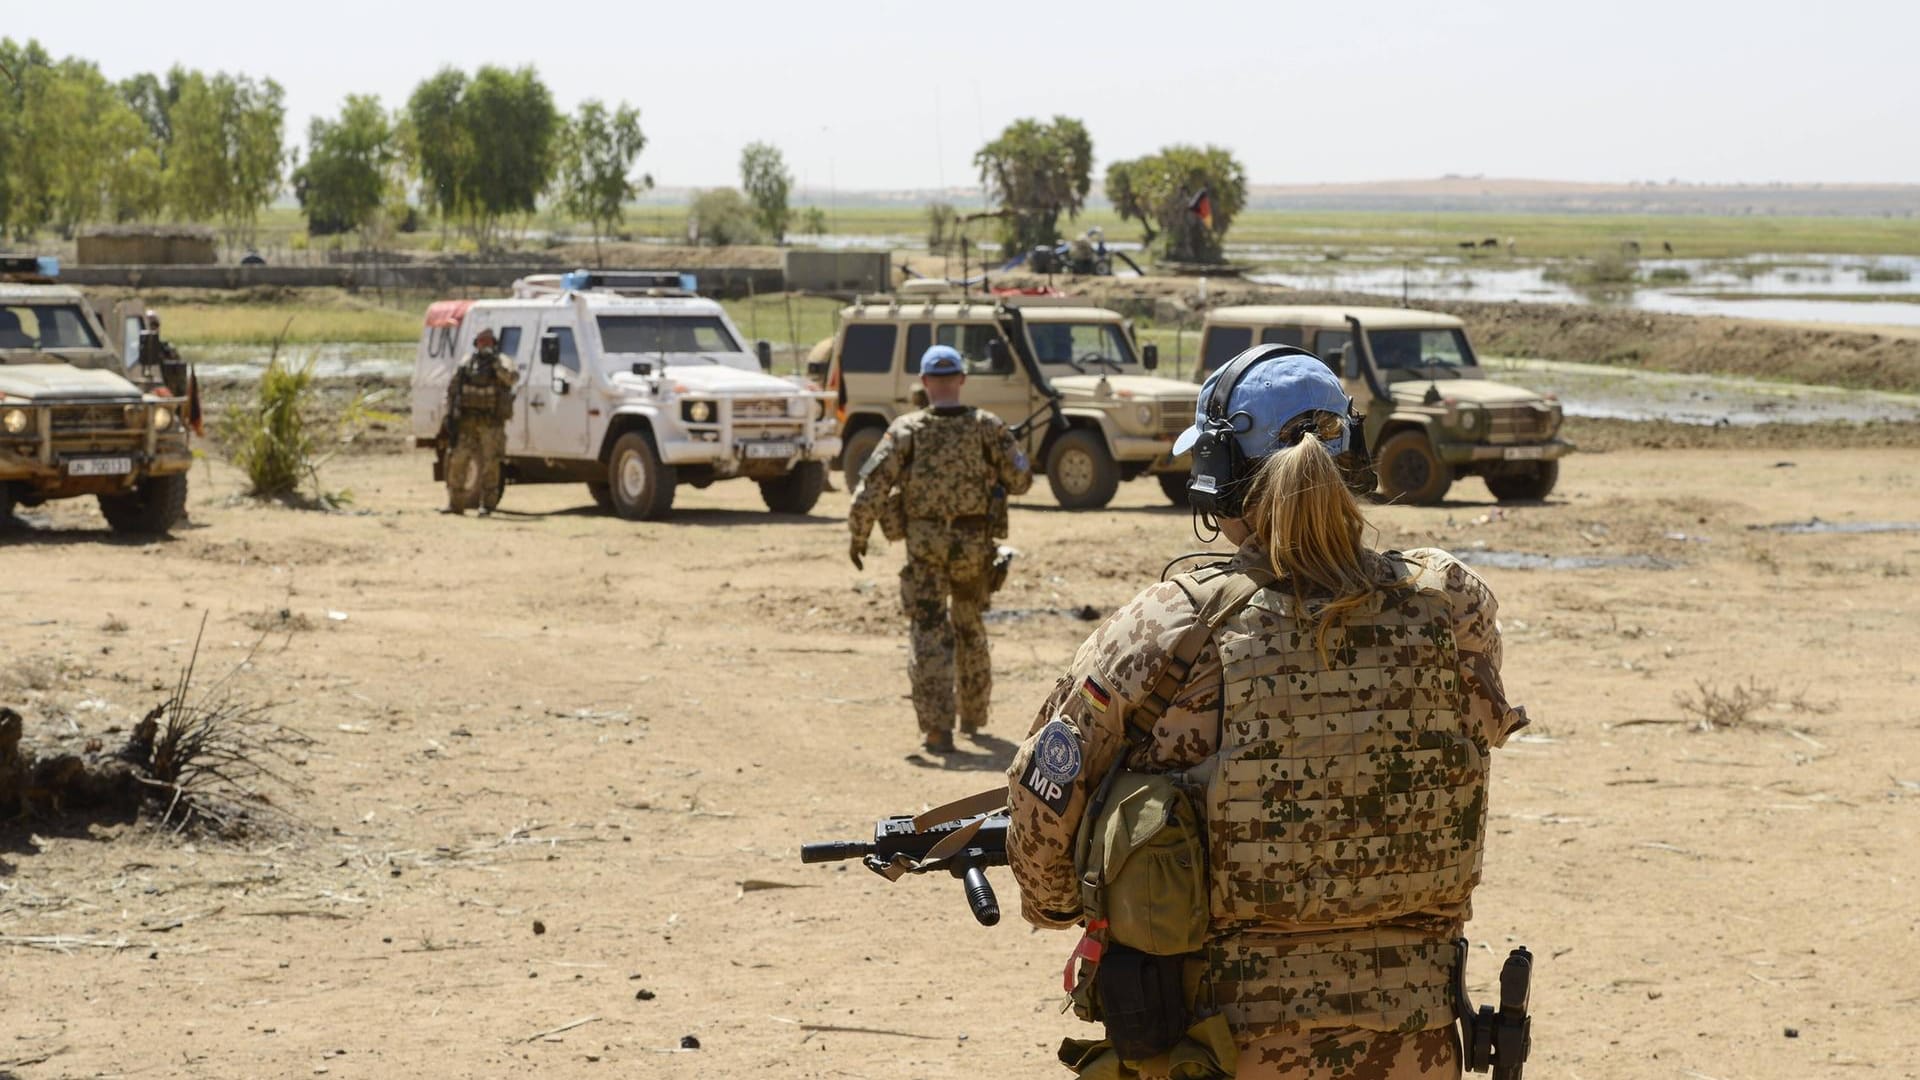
1202 208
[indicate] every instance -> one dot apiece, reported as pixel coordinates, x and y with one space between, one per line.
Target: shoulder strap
1218 593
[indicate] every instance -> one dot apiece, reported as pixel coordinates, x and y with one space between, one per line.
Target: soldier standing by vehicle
479 401
1322 714
934 481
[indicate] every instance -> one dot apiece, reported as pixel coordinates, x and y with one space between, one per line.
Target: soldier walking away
939 480
479 401
1270 709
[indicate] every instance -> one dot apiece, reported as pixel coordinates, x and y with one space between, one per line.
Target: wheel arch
621 424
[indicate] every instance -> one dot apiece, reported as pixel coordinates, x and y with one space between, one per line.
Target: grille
1176 416
1518 424
759 409
75 418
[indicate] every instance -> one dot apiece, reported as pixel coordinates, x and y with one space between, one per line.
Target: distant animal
1467 244
1490 242
1666 247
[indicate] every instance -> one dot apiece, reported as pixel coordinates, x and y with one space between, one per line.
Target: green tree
152 100
511 126
72 147
436 143
765 179
224 161
597 152
722 216
943 226
1035 172
813 221
344 182
1159 190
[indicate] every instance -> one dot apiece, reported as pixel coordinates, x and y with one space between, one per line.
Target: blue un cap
1269 395
942 360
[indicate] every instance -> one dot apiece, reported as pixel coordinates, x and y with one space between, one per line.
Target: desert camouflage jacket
494 376
1126 654
946 460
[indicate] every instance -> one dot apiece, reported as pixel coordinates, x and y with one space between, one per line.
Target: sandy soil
621 733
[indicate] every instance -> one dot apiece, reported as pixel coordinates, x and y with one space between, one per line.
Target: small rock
539 927
643 995
688 1042
1792 1033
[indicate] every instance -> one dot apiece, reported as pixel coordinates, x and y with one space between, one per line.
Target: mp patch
1054 767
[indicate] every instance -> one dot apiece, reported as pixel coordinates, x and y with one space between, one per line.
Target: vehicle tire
155 506
602 493
1081 473
639 483
1410 472
1175 485
1532 484
860 446
797 491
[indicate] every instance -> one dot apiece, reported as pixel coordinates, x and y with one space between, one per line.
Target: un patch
1054 767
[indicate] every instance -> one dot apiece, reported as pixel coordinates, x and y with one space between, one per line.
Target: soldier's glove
857 551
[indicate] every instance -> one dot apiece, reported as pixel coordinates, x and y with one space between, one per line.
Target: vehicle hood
1471 391
63 382
717 379
1125 387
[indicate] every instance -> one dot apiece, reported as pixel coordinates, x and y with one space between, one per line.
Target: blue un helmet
1260 401
942 360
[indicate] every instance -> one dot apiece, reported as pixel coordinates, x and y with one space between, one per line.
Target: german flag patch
1095 694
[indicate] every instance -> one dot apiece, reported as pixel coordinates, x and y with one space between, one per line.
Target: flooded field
1863 290
1615 393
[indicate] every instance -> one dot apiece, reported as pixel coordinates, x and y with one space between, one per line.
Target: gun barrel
834 851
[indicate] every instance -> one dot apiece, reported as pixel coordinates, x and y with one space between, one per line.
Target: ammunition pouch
1142 868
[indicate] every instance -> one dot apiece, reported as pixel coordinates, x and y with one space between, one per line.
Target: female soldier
1329 710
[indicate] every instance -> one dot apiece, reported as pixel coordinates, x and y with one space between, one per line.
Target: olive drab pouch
1205 1051
1143 869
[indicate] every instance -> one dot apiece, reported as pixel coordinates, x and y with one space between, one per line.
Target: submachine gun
1491 1039
962 838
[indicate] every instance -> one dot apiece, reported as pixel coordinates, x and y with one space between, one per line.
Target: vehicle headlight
1472 419
162 418
699 412
14 420
1143 414
798 408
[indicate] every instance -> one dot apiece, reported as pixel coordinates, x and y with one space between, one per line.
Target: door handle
537 403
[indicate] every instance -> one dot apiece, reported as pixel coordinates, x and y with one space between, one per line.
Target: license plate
100 466
1525 453
771 449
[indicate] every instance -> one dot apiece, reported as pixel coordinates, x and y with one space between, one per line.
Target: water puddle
334 360
1523 560
1816 525
1083 613
1601 392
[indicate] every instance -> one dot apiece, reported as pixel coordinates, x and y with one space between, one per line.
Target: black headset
1217 485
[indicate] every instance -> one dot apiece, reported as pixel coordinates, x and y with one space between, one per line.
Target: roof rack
621 282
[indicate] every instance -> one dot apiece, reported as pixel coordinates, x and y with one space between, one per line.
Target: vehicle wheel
1081 473
796 492
1175 485
1411 472
640 484
602 493
155 505
1532 483
859 448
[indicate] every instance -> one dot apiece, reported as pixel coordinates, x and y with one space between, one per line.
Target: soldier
479 401
935 473
1329 710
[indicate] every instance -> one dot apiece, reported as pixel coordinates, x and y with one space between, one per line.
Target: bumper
1155 451
1477 453
51 475
746 454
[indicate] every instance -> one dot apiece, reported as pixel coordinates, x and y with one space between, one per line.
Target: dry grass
245 324
1741 706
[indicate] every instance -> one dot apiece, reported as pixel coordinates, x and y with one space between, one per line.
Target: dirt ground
620 734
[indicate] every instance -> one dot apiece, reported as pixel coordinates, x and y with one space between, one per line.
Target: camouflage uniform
479 402
944 461
1285 948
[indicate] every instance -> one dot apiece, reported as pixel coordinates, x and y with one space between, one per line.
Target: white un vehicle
633 385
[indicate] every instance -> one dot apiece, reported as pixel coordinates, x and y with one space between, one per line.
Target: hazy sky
894 95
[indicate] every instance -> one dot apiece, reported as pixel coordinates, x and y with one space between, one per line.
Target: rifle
961 838
1051 408
1497 1040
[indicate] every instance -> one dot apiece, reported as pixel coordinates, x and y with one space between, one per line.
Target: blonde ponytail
1310 526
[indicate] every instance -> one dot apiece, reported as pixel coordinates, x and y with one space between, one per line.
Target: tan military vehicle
78 417
1432 415
1099 414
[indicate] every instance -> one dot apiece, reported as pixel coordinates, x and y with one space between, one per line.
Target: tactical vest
948 474
482 398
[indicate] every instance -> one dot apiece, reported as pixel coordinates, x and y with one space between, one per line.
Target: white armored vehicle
631 384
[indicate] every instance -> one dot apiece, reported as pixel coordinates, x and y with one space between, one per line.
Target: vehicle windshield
665 334
45 326
1088 347
1399 350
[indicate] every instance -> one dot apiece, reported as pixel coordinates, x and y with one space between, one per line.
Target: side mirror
998 358
1347 360
764 350
641 367
549 348
130 331
1150 356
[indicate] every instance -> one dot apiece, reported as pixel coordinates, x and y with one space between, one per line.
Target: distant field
260 324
